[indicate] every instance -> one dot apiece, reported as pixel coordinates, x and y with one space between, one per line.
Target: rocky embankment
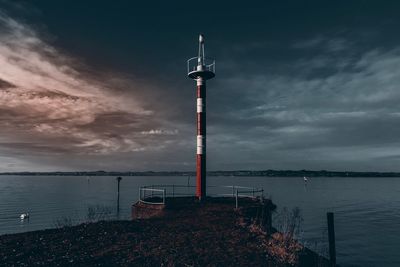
183 234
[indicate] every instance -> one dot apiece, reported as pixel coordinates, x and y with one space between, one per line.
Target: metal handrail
237 192
166 185
209 64
143 200
191 186
249 196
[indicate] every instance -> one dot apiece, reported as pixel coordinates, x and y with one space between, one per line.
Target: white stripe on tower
199 105
200 145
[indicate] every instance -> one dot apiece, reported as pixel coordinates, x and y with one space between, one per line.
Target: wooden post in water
118 181
331 236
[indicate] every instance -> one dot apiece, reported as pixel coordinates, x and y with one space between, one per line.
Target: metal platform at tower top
207 70
200 66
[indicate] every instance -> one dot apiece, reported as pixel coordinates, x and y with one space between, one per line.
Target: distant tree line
262 173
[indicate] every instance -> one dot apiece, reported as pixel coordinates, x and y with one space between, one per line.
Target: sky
100 85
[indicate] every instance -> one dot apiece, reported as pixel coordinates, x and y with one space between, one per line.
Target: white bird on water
305 179
24 216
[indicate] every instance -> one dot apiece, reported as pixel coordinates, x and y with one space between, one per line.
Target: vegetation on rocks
212 233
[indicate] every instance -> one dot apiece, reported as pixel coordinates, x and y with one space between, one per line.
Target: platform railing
156 193
192 64
151 193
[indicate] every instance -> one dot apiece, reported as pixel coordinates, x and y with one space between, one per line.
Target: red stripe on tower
201 69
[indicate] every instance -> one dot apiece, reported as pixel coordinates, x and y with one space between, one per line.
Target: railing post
140 193
173 190
331 236
164 196
237 198
233 190
118 182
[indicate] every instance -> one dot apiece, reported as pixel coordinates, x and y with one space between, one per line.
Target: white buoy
24 216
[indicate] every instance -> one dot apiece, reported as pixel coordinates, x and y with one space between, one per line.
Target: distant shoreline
238 173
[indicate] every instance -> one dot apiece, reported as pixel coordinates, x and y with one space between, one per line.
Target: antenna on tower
201 50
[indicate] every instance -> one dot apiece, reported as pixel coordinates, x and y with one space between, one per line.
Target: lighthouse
201 69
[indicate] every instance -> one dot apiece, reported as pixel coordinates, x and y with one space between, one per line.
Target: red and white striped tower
201 69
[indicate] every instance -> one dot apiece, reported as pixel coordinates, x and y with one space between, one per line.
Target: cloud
53 101
337 44
346 115
160 132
